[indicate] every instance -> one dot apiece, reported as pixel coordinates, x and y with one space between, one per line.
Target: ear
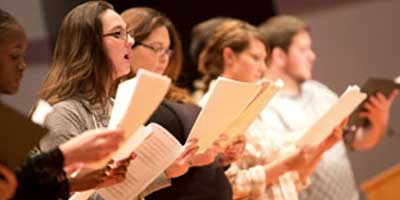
278 57
229 57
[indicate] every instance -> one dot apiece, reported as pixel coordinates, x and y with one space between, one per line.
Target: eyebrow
118 27
158 43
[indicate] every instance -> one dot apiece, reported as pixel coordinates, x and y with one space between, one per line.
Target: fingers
344 123
188 152
393 95
8 176
189 156
375 102
218 144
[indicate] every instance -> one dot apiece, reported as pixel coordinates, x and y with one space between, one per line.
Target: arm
43 177
251 174
8 183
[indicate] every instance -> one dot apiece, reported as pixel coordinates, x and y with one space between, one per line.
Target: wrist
68 156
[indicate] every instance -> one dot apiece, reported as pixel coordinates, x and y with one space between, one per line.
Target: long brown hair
141 21
80 65
233 34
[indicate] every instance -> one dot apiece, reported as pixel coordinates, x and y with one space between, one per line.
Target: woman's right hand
113 173
91 146
8 183
211 153
182 164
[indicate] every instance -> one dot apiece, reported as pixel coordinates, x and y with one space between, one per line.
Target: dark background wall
184 15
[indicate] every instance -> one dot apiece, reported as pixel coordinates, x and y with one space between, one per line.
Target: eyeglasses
159 50
122 34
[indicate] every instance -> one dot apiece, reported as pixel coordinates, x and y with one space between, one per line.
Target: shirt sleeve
43 177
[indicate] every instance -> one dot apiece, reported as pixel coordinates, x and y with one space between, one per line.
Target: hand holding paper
154 155
136 100
230 109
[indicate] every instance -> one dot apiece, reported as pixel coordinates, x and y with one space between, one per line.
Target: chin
10 91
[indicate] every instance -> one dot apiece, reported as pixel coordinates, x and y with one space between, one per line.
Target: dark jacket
207 182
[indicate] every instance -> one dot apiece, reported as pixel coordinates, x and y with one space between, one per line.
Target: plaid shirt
247 175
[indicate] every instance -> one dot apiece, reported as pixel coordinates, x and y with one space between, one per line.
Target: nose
163 56
22 64
130 41
312 55
263 68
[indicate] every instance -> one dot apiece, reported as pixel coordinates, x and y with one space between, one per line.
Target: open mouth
126 56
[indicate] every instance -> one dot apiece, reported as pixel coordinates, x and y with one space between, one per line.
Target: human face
117 43
153 53
12 61
300 57
248 65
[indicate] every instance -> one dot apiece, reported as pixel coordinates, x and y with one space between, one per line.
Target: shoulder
177 118
68 112
317 88
70 107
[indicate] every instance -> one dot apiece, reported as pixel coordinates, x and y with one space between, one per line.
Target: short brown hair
234 34
201 33
8 23
279 31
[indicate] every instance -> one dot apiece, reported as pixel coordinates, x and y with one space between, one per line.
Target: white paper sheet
41 111
226 101
137 99
265 94
344 106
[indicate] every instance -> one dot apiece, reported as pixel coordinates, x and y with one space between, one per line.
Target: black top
207 182
42 177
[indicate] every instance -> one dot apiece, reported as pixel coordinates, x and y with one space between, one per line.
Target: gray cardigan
75 116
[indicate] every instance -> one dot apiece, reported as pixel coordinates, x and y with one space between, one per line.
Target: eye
256 57
15 56
117 35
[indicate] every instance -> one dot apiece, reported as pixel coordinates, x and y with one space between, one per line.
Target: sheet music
226 101
154 155
345 105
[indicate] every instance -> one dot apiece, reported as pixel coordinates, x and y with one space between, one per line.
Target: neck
291 87
227 75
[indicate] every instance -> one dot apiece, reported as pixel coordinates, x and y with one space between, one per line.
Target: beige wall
354 41
30 15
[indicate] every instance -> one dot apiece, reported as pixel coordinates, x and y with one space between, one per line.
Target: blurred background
353 40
